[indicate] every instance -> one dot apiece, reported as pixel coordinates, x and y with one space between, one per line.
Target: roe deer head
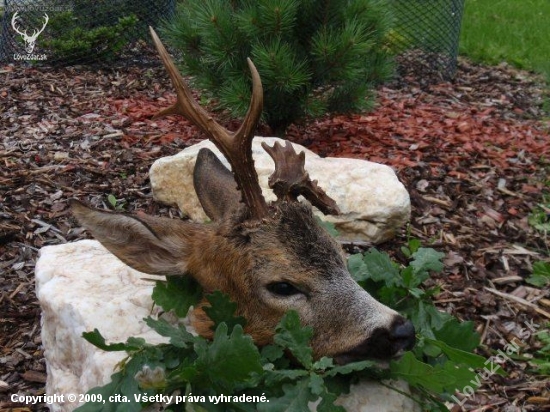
269 258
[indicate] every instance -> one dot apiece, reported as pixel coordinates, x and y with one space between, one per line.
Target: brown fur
241 258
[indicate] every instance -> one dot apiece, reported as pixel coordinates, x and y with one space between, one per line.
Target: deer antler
46 19
14 19
236 147
35 32
290 180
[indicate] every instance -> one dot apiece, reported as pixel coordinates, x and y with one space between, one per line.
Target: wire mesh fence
78 31
425 33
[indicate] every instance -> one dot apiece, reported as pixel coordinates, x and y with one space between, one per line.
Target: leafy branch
285 372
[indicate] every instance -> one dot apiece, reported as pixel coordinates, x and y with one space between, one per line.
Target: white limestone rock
373 202
81 286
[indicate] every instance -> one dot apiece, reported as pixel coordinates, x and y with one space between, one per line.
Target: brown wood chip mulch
473 155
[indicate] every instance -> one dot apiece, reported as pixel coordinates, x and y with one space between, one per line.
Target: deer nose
384 343
402 336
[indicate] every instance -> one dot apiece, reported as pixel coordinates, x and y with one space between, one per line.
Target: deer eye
282 289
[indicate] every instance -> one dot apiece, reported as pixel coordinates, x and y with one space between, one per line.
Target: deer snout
402 336
383 343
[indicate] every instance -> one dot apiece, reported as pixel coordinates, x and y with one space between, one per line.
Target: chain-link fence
78 31
425 33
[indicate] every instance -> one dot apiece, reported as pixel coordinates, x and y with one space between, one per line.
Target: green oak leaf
222 309
379 267
294 337
179 337
229 359
296 398
426 260
416 372
178 293
460 335
541 275
96 339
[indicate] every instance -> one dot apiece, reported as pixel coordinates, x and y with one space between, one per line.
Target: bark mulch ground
473 155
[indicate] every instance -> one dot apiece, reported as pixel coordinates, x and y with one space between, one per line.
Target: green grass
514 31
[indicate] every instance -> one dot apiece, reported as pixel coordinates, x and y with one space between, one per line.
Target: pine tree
313 56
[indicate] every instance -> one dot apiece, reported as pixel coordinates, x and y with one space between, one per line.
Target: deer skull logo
30 41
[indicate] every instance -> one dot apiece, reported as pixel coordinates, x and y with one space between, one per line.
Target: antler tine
14 19
290 180
185 104
236 147
46 20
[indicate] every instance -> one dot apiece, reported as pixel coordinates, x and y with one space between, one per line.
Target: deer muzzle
383 343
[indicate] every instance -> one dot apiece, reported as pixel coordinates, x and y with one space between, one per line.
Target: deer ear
149 244
215 185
